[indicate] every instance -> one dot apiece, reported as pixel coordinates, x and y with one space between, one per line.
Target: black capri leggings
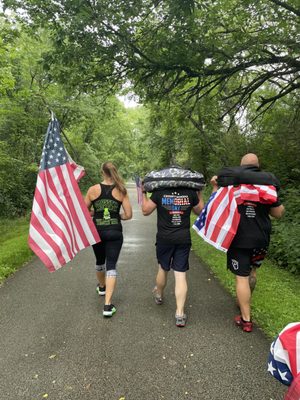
107 251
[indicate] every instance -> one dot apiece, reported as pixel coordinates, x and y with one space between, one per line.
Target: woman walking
107 198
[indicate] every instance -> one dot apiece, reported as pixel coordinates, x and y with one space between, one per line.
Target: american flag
218 222
284 356
138 183
60 224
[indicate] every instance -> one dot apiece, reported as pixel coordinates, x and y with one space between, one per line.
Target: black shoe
100 290
109 310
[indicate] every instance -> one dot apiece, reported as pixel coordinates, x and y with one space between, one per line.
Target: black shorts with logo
241 261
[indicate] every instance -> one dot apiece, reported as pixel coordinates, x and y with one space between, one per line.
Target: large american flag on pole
219 220
60 224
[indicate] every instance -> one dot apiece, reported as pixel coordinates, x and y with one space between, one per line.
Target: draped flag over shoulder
218 222
60 224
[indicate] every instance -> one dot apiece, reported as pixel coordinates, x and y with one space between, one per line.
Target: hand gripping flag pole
60 224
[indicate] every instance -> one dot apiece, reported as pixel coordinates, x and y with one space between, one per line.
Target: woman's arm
127 214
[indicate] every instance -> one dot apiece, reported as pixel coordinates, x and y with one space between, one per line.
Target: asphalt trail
55 344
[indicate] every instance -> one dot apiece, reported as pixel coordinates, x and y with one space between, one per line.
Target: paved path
55 344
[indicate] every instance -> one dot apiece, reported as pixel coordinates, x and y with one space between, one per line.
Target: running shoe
109 310
247 326
100 290
180 320
157 297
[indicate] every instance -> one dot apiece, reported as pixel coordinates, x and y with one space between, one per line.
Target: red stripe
223 217
83 207
56 229
61 216
54 190
34 221
215 204
70 202
233 229
42 256
288 340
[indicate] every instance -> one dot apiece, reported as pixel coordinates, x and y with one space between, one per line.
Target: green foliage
285 246
14 251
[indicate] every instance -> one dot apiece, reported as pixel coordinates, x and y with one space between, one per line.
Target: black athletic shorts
241 261
175 256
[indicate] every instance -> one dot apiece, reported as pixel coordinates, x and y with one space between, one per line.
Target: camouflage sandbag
173 176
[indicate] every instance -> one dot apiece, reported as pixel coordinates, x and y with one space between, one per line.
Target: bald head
250 159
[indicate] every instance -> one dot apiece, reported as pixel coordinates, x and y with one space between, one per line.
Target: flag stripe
57 226
214 211
43 250
75 206
64 195
45 229
87 223
48 195
62 206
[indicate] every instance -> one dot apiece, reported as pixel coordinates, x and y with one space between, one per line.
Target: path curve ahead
55 344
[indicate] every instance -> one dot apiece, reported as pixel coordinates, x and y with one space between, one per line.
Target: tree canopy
182 47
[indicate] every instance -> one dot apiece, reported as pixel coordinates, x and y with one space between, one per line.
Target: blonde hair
111 171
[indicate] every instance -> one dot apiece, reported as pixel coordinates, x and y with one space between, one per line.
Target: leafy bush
285 243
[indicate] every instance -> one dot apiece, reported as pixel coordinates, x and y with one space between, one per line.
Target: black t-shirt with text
255 226
174 208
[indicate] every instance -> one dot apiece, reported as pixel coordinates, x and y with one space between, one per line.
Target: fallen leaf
45 396
52 356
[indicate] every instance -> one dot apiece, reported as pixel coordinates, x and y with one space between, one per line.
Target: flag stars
271 369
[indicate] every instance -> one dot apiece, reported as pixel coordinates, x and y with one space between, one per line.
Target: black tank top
107 209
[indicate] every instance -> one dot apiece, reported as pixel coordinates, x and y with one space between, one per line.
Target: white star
283 375
51 156
58 154
61 149
271 369
49 162
48 147
64 158
55 144
57 160
57 139
51 140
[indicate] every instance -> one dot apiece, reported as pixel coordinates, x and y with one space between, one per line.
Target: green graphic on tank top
106 214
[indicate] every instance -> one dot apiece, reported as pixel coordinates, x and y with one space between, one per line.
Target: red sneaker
247 326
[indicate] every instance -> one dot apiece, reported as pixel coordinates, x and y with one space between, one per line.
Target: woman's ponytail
110 170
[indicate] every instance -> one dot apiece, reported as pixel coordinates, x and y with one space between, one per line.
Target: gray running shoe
157 297
180 320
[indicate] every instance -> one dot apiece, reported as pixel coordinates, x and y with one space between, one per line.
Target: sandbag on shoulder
173 176
247 174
